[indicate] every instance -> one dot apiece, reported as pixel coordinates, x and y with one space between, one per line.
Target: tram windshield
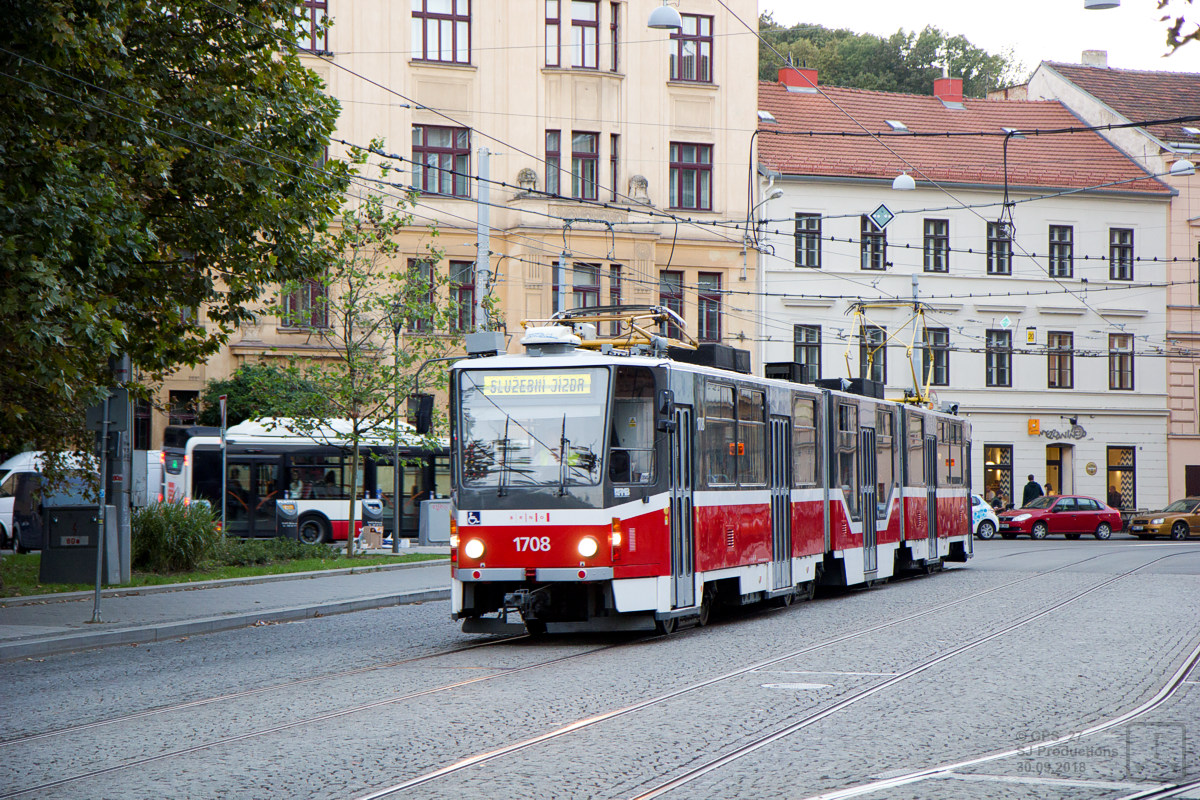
532 427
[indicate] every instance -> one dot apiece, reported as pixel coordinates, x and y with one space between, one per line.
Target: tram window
720 435
752 438
884 457
847 455
631 438
804 442
916 449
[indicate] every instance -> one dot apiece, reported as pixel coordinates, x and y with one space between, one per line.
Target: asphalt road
963 684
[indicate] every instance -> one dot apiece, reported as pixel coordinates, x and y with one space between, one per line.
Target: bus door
683 566
931 481
781 506
867 467
251 489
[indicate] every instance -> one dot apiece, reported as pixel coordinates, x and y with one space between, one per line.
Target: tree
156 161
260 390
903 62
367 297
1177 34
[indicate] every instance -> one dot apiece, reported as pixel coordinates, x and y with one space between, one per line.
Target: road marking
827 672
795 686
977 777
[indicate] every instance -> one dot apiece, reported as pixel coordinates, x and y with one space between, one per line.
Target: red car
1070 515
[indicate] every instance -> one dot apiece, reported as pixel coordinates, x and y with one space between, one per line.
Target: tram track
366 707
579 725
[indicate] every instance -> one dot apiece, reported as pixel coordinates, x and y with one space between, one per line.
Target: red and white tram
627 488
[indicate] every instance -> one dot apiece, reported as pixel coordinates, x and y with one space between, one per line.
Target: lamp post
397 516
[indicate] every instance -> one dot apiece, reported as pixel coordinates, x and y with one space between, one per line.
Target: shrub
173 537
235 552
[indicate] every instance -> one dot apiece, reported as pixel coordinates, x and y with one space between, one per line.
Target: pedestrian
1114 497
1050 490
998 499
1033 490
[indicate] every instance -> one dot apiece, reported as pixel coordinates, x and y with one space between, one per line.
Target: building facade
1036 262
616 156
1101 95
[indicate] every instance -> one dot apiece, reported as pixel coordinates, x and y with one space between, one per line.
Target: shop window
998 472
1122 475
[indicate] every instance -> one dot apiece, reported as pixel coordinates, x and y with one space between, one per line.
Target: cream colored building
618 150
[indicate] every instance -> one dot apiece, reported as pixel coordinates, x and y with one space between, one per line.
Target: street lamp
397 516
665 18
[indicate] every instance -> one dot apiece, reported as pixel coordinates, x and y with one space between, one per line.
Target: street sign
882 216
118 412
1004 323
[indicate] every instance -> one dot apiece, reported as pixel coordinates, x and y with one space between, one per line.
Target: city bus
266 460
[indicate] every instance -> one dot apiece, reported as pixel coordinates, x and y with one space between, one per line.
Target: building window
441 160
999 248
553 161
586 285
553 28
670 295
807 351
585 34
306 306
1062 251
873 245
441 31
937 245
421 283
708 285
937 356
999 358
614 163
182 407
691 54
614 28
872 354
585 159
997 472
1120 254
1122 474
691 176
1060 360
462 294
1120 361
808 240
311 34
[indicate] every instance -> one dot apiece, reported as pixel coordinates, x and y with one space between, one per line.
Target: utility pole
483 253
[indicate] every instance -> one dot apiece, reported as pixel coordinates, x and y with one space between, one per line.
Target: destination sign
547 383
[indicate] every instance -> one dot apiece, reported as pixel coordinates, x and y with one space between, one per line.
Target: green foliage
903 62
156 160
261 390
234 552
173 537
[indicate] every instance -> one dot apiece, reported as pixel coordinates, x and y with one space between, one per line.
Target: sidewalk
58 623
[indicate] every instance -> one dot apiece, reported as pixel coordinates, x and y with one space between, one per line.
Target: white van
23 463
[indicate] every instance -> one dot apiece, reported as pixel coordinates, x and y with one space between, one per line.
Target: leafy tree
369 291
260 390
155 160
1177 25
903 62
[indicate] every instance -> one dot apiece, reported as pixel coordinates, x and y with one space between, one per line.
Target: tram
624 483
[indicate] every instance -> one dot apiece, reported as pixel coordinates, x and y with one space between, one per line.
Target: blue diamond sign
882 216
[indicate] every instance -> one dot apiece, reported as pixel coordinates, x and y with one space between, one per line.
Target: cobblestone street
969 683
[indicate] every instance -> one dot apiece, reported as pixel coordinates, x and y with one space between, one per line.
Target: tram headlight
473 549
588 547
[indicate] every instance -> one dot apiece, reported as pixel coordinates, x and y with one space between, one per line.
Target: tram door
683 566
931 480
867 466
781 507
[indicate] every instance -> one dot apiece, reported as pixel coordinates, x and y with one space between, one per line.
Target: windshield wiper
504 445
563 446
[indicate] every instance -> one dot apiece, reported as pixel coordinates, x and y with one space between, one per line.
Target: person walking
1033 490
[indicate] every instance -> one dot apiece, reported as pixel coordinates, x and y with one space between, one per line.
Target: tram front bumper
541 575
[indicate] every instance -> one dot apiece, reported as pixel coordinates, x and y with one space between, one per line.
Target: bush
173 537
235 552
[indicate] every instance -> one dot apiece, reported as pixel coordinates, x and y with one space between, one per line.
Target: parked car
1070 515
984 521
1179 520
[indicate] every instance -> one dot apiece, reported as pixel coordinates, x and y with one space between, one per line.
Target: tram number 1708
532 543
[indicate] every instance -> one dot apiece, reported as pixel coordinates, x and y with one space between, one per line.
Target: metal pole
483 240
103 521
560 296
224 469
397 516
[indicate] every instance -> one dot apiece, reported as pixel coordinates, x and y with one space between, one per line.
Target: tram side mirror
420 412
666 411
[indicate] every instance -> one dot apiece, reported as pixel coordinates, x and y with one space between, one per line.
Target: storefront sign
1090 468
1074 432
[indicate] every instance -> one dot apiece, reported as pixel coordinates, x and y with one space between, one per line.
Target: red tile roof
1076 160
1141 95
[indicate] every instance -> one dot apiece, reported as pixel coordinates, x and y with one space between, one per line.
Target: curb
146 634
134 591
